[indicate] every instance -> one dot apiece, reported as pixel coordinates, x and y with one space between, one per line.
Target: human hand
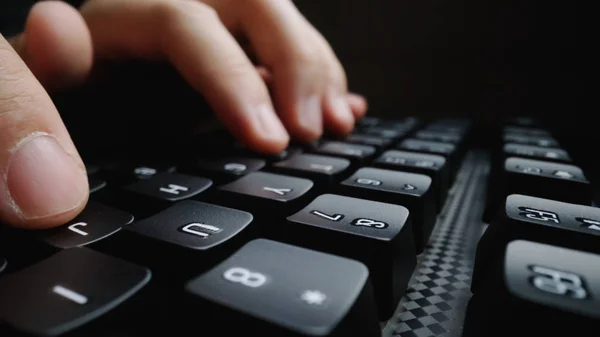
298 90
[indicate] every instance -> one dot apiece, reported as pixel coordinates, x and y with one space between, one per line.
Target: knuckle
172 12
13 91
305 58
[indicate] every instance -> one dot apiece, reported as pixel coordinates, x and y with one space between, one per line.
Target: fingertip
260 129
57 45
45 186
358 105
338 116
51 221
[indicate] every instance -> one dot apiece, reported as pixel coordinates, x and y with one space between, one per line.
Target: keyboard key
195 234
170 187
266 193
449 151
551 180
377 142
338 225
542 290
438 136
96 184
560 182
392 133
121 174
410 190
542 220
147 196
293 149
225 169
354 152
526 131
530 140
318 168
446 128
67 290
536 152
431 165
417 145
94 223
283 290
523 121
368 122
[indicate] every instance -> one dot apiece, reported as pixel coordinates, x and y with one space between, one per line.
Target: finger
285 44
193 38
56 45
358 105
42 178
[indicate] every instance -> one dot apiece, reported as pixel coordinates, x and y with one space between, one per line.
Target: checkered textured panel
436 299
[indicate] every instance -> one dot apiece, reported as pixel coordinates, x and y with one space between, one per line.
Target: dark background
485 60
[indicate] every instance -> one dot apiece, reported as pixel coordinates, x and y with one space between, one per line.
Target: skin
298 89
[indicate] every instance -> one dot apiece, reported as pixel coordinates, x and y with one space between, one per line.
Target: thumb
42 178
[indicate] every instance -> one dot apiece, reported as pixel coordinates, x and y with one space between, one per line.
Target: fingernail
43 180
270 123
311 117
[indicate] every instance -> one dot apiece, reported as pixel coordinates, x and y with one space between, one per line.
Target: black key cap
548 180
195 234
522 121
536 152
94 223
146 196
321 169
338 225
96 183
431 165
542 220
225 169
67 290
377 142
170 186
438 136
449 151
368 122
410 190
392 133
537 178
121 174
526 131
417 145
277 289
354 152
530 140
446 128
542 290
266 193
242 151
285 154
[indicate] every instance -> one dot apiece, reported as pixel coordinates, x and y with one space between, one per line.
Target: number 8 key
276 289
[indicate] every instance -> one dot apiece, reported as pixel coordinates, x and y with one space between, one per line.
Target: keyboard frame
438 293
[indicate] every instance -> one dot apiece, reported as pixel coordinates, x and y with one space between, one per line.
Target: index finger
42 177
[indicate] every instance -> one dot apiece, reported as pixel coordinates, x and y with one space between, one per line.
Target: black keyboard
404 228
